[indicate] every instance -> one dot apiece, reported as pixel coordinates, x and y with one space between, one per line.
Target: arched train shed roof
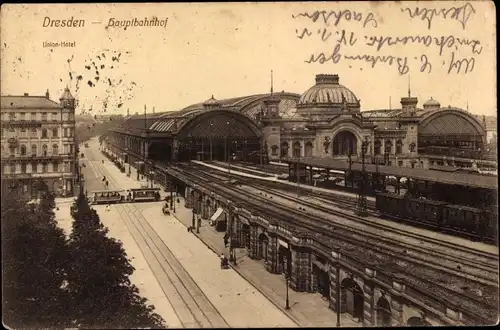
172 122
450 122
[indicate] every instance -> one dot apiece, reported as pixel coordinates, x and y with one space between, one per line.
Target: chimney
26 94
47 96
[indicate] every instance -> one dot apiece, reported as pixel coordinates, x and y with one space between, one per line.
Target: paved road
188 274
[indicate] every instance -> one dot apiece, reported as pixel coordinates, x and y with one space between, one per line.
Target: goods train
458 220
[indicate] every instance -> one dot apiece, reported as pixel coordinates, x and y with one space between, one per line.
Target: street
175 271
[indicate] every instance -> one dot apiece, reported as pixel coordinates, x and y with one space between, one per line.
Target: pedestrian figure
107 208
199 222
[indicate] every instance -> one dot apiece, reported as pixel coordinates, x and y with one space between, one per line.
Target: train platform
257 172
274 179
306 309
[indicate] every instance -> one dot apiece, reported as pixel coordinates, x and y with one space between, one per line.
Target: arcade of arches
361 296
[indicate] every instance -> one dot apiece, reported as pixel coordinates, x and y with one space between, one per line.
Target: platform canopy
453 178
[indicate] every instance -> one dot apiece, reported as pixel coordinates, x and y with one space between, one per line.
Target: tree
102 294
34 255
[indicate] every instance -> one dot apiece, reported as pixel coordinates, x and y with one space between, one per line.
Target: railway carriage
463 218
391 205
456 219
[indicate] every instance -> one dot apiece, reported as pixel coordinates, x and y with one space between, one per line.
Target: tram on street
106 197
144 195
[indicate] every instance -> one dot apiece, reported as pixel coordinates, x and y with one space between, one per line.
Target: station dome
327 91
431 104
211 103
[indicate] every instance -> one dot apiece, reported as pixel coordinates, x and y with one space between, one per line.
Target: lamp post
287 279
175 197
297 172
231 235
361 204
336 257
193 220
171 193
128 159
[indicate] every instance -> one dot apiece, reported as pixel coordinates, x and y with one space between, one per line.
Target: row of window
12 116
67 132
35 167
68 148
309 148
388 147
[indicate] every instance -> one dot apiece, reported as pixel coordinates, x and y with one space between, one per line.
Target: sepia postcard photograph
249 165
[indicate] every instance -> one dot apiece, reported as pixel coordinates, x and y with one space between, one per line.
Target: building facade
326 121
38 142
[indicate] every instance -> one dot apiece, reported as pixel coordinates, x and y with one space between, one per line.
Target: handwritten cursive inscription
337 16
441 42
457 64
460 14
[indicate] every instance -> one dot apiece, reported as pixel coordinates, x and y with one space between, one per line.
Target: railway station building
326 121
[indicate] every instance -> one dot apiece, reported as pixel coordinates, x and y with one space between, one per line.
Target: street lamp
287 279
361 205
193 218
128 159
336 257
175 197
232 257
297 172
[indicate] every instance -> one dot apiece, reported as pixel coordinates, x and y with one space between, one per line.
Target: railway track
423 268
191 305
343 201
477 261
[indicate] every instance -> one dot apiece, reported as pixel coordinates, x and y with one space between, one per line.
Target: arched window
33 150
412 147
34 132
44 168
54 132
12 168
55 149
378 146
399 147
296 149
23 150
274 150
55 167
44 150
44 133
284 149
308 152
12 151
388 147
23 168
34 167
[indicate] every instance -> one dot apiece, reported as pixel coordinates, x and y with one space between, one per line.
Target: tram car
107 197
453 219
144 194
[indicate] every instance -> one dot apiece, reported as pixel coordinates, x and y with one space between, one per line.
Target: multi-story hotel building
38 142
